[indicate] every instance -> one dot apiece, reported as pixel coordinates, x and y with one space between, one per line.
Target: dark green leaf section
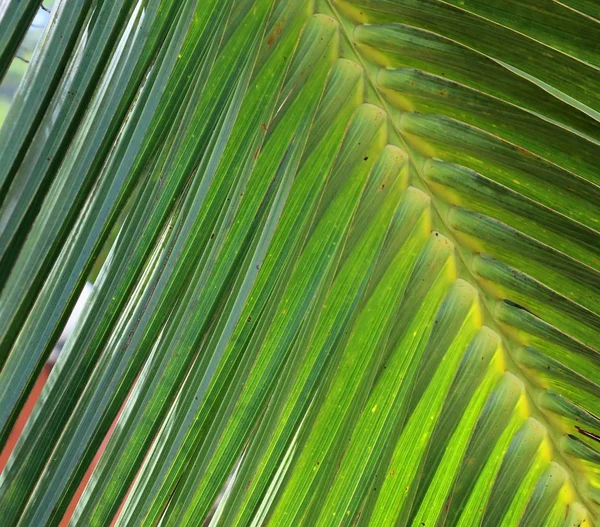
60 119
38 326
14 23
40 82
356 279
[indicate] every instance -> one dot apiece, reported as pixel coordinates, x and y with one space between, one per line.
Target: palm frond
353 269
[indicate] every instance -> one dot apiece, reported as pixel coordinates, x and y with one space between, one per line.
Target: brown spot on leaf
588 434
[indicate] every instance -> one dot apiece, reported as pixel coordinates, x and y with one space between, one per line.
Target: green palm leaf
350 264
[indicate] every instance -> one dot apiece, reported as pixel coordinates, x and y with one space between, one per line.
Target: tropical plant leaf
353 270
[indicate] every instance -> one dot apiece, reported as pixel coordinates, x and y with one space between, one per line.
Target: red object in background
20 424
24 415
35 394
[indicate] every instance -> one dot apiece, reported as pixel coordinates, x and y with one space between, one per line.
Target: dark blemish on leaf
276 31
264 126
212 235
588 434
518 306
524 151
366 157
249 319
